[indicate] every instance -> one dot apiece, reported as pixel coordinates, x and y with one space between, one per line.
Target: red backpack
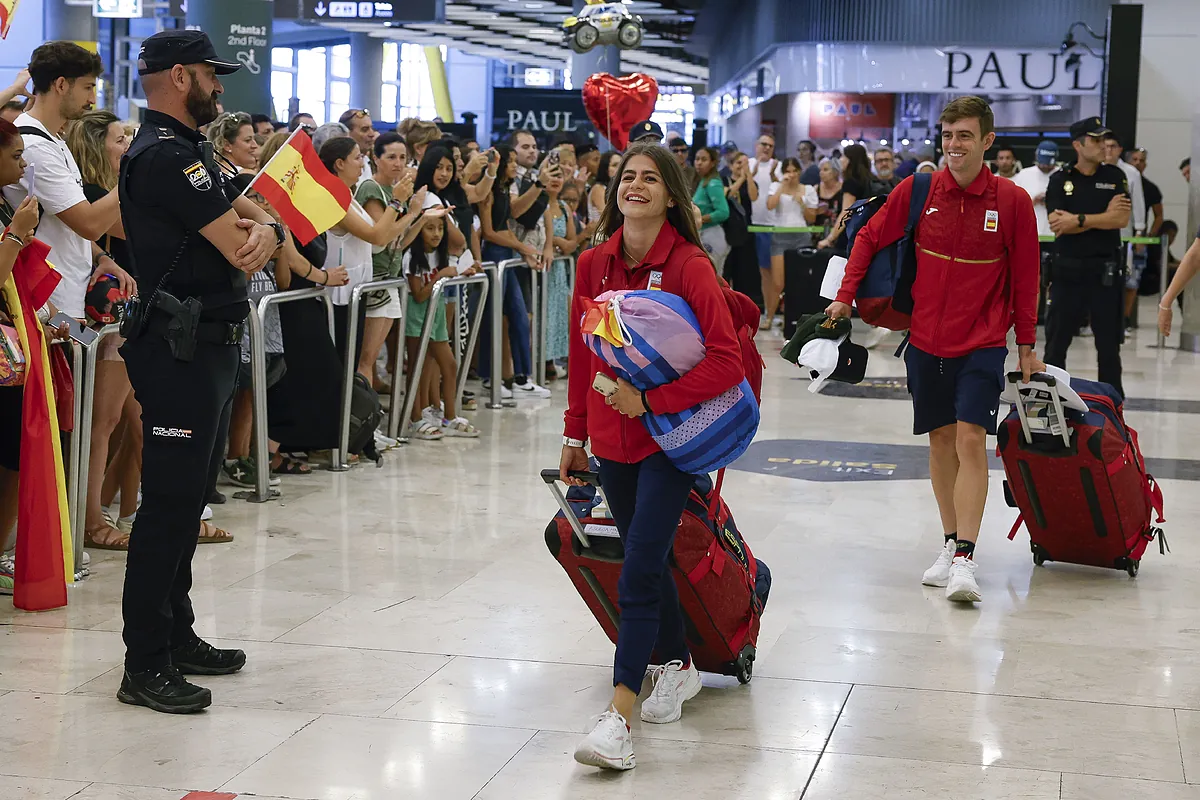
745 324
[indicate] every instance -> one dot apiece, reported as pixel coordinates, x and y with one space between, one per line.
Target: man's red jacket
977 263
685 270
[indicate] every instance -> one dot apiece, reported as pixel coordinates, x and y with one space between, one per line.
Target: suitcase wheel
1132 568
745 664
1040 556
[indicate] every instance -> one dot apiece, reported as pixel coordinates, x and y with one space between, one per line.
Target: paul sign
549 112
1008 70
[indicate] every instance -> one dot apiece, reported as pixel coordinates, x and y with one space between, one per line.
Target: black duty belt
207 331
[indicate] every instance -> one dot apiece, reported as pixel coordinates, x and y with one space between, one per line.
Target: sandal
120 543
211 534
459 427
289 466
425 430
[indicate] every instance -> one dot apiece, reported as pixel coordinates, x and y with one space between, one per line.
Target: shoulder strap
29 130
917 200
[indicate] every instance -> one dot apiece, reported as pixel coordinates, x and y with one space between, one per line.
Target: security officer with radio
1088 204
193 247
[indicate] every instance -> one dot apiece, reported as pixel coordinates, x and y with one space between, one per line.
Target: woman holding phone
651 239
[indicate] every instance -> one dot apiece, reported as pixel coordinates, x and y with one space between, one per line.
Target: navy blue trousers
512 304
646 500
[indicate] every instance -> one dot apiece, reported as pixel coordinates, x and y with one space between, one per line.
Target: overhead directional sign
117 9
284 9
381 11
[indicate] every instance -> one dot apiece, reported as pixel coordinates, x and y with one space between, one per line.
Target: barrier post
537 279
75 468
464 360
83 431
497 368
435 297
258 367
1162 285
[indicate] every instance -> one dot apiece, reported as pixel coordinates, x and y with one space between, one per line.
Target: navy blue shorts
762 248
950 390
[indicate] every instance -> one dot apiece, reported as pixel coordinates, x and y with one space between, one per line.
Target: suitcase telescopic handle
1056 407
587 476
550 476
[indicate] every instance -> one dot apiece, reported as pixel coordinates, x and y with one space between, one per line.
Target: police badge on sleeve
198 176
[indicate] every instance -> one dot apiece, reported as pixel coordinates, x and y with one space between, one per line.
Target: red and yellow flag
8 8
308 198
44 549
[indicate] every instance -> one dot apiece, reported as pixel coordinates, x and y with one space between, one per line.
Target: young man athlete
977 277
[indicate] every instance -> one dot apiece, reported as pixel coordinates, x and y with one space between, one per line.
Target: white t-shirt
1137 198
58 186
759 215
354 254
1035 182
789 213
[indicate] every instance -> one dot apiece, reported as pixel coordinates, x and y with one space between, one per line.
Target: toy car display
603 24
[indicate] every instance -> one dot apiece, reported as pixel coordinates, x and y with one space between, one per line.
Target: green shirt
385 261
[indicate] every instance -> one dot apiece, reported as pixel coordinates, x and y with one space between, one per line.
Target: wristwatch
280 235
1082 219
569 442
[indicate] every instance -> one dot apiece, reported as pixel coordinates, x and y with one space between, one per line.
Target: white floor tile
869 778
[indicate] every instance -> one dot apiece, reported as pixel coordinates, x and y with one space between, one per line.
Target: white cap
1062 382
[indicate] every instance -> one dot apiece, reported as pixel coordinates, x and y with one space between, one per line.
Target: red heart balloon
615 105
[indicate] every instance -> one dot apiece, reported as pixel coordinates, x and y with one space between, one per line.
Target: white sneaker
609 745
673 685
962 587
939 573
876 338
530 390
505 392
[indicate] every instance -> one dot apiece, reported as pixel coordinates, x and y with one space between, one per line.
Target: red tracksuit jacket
977 263
687 272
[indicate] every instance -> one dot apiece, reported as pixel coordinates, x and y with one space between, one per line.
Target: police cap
165 49
646 128
1092 126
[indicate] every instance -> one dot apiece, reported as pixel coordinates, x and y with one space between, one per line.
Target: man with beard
192 241
885 170
64 86
1006 163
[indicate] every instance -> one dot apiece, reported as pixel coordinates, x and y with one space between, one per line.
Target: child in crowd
426 261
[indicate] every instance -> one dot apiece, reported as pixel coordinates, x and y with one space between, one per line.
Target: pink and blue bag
651 338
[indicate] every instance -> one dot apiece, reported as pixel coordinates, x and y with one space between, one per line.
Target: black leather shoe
216 498
163 690
201 658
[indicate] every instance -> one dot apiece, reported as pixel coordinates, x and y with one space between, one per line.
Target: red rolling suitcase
722 587
1078 479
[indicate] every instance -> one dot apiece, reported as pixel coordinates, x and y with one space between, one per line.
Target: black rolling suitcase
803 271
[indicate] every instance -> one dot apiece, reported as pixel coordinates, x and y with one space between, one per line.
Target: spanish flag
7 9
309 199
44 548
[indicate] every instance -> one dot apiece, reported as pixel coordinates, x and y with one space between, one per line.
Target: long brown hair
87 138
679 216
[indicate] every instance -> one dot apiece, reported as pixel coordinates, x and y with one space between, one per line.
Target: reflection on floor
410 637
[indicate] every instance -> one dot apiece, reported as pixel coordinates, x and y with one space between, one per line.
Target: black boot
200 658
163 690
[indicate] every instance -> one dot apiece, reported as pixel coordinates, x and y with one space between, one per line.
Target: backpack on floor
366 412
884 297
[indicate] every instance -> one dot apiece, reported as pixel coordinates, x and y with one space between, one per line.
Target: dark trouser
646 500
1072 301
512 303
341 327
185 425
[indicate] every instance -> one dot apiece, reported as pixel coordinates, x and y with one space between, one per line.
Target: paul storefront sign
1019 71
545 112
832 115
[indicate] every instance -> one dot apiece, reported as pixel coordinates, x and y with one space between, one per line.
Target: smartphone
75 328
604 384
31 174
554 157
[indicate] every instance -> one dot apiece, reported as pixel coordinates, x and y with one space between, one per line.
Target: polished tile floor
410 637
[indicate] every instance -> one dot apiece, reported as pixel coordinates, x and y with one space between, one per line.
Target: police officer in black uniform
1088 205
193 247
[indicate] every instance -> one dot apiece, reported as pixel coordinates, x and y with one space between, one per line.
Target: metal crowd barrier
258 365
497 369
541 313
341 463
435 297
84 380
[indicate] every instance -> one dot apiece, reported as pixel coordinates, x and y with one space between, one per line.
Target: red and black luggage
1078 478
722 587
